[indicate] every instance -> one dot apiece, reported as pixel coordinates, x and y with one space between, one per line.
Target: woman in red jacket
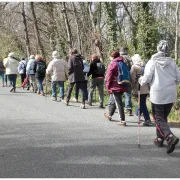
115 89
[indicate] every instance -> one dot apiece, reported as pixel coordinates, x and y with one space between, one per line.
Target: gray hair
164 46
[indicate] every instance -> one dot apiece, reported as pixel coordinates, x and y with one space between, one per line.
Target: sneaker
172 141
147 123
82 106
54 98
107 116
122 123
74 99
159 142
11 89
66 102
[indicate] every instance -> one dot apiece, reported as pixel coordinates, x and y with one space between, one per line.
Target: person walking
40 72
127 59
76 76
22 69
163 74
136 70
116 90
30 72
58 68
2 71
11 64
97 70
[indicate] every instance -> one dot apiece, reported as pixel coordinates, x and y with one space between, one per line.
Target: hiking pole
139 115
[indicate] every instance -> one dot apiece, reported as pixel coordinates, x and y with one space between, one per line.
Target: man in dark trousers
76 76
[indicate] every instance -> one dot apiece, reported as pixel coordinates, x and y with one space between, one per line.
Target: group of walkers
159 76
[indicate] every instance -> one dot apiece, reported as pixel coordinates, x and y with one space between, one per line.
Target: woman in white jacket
57 67
11 65
163 74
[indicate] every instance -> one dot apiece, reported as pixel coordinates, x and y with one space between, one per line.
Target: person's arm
90 70
49 69
148 73
70 67
19 67
109 76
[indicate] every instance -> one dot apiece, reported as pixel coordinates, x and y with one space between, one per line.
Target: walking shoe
107 116
82 106
54 98
101 106
11 89
129 112
28 88
74 99
172 141
66 102
38 92
41 93
159 142
147 123
122 123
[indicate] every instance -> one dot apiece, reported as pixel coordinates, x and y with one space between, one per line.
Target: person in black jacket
76 76
97 70
40 71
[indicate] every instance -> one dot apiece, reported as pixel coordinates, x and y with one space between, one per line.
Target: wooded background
91 27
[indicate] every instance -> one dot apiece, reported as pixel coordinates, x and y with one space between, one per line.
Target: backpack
23 68
123 74
100 69
41 68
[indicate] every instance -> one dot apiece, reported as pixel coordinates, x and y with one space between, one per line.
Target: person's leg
41 86
2 76
91 90
70 88
128 102
61 90
14 77
119 104
53 88
6 79
100 86
82 86
143 108
76 91
86 91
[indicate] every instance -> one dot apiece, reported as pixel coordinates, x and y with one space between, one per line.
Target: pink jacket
111 77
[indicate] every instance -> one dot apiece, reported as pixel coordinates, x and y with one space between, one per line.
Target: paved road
40 138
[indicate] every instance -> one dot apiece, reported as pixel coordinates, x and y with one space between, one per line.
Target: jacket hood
160 59
136 59
12 60
120 58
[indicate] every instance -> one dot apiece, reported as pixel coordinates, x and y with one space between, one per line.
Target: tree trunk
26 31
37 30
177 32
67 25
77 26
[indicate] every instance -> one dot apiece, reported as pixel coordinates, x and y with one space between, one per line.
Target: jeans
12 79
160 113
2 76
85 91
128 102
81 85
61 88
40 85
116 101
32 80
143 107
99 82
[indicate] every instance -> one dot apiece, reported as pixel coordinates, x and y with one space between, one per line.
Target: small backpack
123 74
23 68
100 69
41 68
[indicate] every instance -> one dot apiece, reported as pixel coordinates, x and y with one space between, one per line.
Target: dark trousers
12 79
81 85
23 76
160 113
85 91
116 101
143 107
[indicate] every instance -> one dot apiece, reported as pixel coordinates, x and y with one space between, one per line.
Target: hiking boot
82 106
54 98
107 116
101 106
147 123
172 141
159 142
129 112
122 123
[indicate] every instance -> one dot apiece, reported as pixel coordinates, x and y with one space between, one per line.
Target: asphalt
40 138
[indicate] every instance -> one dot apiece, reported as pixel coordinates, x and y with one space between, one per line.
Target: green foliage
147 31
